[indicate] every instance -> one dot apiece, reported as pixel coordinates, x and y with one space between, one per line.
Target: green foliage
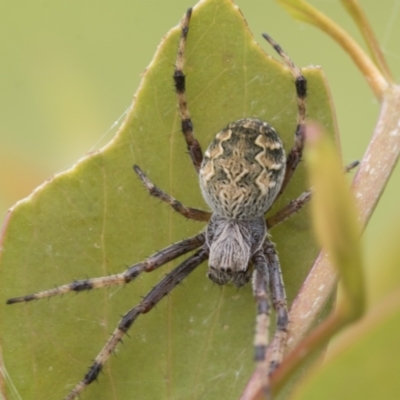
96 219
363 362
335 220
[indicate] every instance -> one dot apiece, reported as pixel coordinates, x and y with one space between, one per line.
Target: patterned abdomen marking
243 169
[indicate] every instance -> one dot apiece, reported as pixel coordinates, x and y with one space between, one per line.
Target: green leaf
365 363
96 219
336 220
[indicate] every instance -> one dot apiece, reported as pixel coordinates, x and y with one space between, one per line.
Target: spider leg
280 306
163 288
188 212
296 152
150 264
351 166
260 291
289 210
295 205
179 78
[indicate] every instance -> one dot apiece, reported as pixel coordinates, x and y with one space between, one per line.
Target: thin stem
305 12
356 12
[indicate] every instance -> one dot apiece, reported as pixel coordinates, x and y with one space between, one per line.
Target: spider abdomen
243 169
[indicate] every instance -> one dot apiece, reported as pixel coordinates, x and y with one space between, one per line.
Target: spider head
231 244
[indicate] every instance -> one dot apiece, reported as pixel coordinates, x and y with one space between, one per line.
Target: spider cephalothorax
240 176
243 171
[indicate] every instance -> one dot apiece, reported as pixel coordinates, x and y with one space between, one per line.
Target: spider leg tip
268 38
354 164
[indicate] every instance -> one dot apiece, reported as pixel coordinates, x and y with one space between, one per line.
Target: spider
241 174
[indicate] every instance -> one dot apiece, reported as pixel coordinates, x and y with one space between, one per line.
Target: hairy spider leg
187 212
267 278
287 211
180 79
164 287
294 206
150 264
261 338
280 306
296 152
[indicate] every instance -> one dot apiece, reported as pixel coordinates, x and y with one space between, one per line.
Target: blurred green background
69 70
